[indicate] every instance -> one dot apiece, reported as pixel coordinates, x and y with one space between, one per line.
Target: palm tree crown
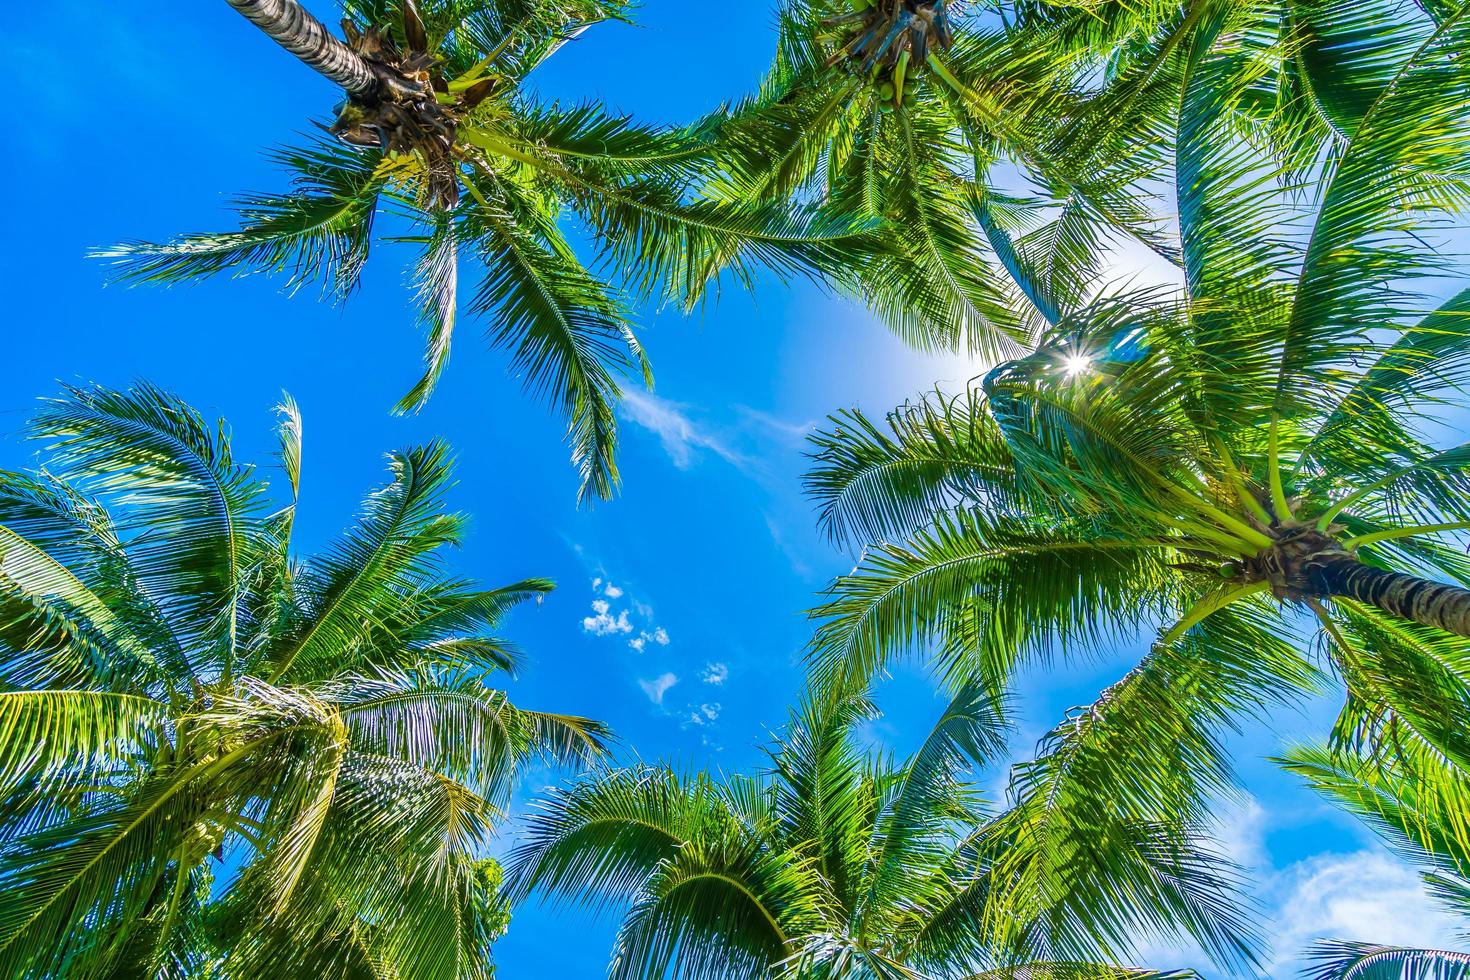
1216 465
907 111
838 864
446 138
179 692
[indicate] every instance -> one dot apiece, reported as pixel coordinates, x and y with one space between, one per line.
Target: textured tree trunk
293 27
1446 607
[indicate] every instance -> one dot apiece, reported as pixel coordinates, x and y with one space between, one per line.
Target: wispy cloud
657 687
681 436
705 714
794 433
747 438
715 673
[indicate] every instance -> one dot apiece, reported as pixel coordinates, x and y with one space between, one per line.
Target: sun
1075 364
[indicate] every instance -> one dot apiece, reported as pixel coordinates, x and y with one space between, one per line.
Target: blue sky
129 121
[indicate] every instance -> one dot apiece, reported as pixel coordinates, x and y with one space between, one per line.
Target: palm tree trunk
1419 600
293 27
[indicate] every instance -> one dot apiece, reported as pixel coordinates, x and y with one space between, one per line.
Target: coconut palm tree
902 111
182 696
840 863
1399 759
1220 467
1008 145
438 131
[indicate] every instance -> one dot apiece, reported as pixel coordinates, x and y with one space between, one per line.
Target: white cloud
715 673
658 686
1368 896
658 635
602 622
608 621
1240 833
705 714
680 435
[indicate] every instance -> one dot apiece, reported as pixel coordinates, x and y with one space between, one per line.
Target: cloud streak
657 687
681 437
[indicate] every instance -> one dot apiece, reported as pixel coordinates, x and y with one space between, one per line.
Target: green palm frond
107 863
400 526
438 278
1366 428
1079 971
1120 795
327 747
1406 684
724 909
71 736
450 722
594 843
836 862
1351 54
1347 285
71 612
928 799
589 133
566 332
989 591
322 231
196 512
1336 960
873 485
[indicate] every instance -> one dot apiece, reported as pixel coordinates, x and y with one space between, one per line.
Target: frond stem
1273 469
1405 532
1207 607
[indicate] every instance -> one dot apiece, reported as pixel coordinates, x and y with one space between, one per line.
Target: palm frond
450 722
71 736
566 332
872 485
1338 960
988 591
595 843
400 526
194 512
322 231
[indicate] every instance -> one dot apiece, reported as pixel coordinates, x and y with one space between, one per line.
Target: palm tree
1399 759
183 696
1007 145
436 129
904 111
1219 466
844 864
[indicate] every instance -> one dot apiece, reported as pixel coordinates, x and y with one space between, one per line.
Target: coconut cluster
412 110
891 41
